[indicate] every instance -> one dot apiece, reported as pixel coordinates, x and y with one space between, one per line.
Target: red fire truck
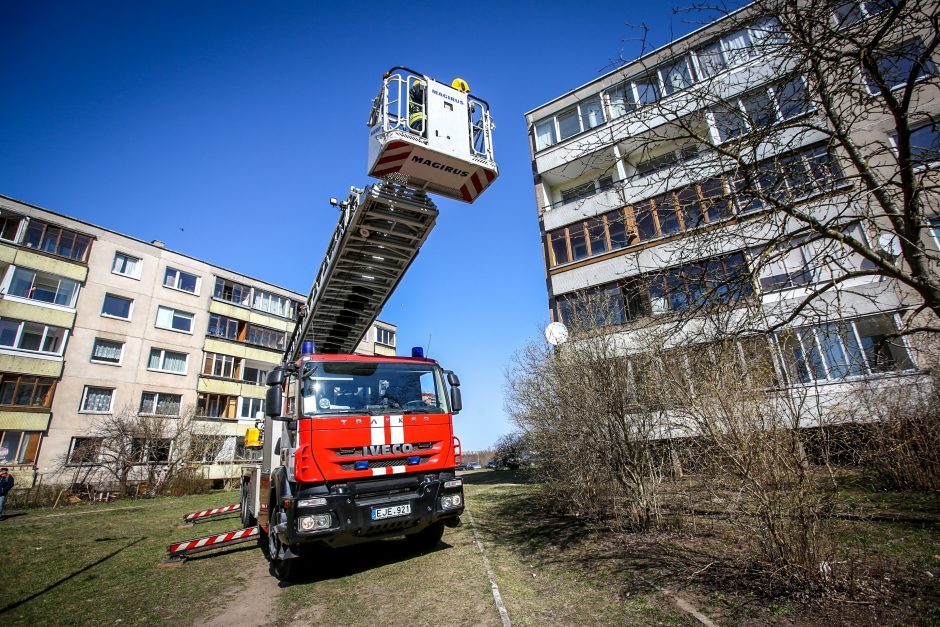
356 448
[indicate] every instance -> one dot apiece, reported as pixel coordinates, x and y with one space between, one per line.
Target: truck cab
355 448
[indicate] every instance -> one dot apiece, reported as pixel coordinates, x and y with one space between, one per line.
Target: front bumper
350 506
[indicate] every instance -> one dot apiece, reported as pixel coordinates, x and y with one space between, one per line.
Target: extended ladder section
380 231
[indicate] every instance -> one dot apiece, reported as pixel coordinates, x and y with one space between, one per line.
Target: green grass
84 565
98 564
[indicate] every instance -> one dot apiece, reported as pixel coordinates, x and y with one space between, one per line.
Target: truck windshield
352 387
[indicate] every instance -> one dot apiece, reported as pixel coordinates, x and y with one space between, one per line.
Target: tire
283 570
247 519
427 538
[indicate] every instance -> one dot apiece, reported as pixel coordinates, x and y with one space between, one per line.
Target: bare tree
130 447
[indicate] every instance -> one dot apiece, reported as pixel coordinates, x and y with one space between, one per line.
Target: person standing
6 484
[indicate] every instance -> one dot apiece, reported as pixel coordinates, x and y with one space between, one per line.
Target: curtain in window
544 134
107 351
738 47
98 399
174 362
164 317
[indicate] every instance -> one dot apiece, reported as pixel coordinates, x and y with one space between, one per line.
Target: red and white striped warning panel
472 189
211 513
213 542
393 157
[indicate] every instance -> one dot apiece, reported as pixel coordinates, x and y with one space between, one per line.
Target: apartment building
660 180
94 323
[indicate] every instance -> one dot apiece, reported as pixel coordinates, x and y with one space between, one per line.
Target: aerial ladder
424 137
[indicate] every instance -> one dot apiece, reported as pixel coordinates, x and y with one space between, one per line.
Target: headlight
314 523
453 483
451 502
319 500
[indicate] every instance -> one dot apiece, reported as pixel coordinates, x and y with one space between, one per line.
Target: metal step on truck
357 448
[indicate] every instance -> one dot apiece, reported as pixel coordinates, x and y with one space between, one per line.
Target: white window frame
8 285
131 275
162 361
81 407
156 402
173 313
45 333
94 344
72 444
130 312
930 68
287 306
913 129
579 114
392 334
176 280
246 403
736 104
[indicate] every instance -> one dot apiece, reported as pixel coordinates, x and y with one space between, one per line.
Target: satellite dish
890 244
556 333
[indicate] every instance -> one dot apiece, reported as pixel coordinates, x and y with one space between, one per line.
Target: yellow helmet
460 85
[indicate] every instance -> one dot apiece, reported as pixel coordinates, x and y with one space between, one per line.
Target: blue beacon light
417 351
306 348
363 465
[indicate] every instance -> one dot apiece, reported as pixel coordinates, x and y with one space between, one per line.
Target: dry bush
596 446
902 449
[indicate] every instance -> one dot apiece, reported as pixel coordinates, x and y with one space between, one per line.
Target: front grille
386 462
357 450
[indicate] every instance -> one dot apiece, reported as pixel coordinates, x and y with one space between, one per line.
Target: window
384 336
268 338
56 240
255 376
217 406
229 328
676 76
842 349
609 304
32 336
251 407
666 160
273 304
174 319
761 108
711 281
19 447
245 454
850 13
126 265
585 190
738 47
151 451
107 351
231 292
790 265
117 307
583 116
24 390
179 280
925 144
224 366
85 451
160 404
210 448
793 176
10 226
167 361
899 65
97 400
43 287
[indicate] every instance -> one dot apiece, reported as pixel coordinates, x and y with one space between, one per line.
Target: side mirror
452 378
276 377
273 400
456 403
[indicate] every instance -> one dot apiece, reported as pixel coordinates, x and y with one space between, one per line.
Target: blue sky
223 128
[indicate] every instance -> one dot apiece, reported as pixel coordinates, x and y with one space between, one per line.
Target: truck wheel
283 570
428 538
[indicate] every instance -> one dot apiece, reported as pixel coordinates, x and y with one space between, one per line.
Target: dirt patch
251 605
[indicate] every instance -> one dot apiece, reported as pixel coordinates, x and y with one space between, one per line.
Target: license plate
380 513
